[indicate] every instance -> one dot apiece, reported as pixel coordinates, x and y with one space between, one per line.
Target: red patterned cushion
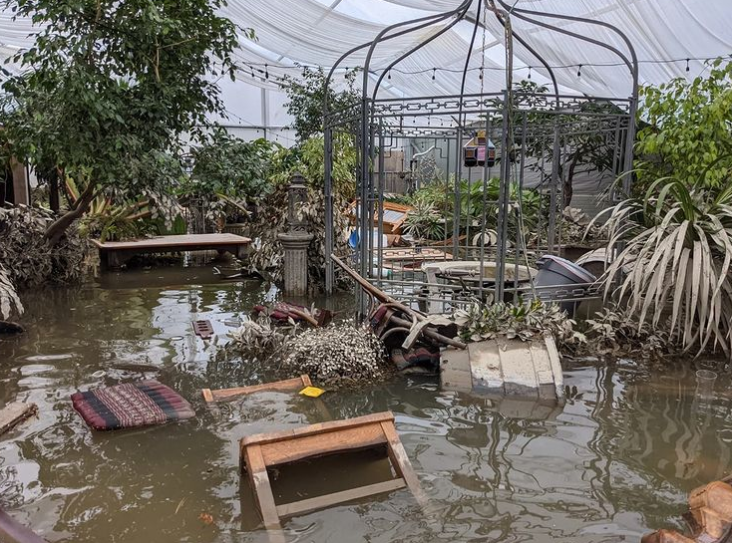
131 405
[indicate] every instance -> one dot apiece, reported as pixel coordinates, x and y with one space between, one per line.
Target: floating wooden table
116 253
263 451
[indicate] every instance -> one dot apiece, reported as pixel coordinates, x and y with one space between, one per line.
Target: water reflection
616 461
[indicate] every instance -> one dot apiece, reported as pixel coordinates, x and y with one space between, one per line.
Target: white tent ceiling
664 34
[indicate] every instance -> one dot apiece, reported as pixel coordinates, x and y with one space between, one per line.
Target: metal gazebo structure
522 134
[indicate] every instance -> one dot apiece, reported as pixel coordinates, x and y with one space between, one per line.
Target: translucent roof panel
292 33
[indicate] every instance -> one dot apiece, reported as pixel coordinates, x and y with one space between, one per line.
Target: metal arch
465 4
531 50
631 63
422 22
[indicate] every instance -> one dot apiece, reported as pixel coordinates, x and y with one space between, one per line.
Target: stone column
296 240
295 245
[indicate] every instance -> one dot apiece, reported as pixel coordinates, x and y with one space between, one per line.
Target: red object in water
203 329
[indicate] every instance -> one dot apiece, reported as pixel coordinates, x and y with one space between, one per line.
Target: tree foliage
688 128
231 167
107 83
306 98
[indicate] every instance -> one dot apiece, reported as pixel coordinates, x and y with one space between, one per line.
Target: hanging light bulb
529 76
480 75
434 71
579 71
389 75
266 71
687 64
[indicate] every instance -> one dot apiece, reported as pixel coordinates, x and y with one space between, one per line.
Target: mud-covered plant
27 256
9 300
678 251
480 321
611 332
255 338
341 353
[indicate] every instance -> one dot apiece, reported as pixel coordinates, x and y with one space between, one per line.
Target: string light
434 71
480 76
529 76
266 71
579 71
687 64
389 76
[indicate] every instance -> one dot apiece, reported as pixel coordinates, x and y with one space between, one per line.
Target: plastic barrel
560 272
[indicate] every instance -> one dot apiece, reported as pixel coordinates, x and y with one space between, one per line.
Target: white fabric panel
317 32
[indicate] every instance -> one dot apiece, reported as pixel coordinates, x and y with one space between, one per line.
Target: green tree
688 130
587 135
306 98
227 166
109 83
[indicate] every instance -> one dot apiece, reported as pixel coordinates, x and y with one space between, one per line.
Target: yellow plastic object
312 392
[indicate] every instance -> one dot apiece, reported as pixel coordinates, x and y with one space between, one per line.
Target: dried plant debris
28 257
579 229
260 339
342 353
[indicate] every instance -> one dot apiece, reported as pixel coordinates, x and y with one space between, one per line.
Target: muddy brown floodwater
616 461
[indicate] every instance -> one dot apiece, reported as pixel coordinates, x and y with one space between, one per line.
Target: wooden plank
328 500
15 413
299 448
11 531
175 241
315 429
259 481
295 384
399 457
207 395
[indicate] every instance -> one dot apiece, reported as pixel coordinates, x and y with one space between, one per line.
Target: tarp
290 33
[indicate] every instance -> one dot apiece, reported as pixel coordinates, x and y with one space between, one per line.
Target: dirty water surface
616 461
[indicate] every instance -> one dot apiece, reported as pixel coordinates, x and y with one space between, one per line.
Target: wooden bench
260 452
116 253
289 385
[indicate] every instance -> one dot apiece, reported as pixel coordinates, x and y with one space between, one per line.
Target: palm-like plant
677 254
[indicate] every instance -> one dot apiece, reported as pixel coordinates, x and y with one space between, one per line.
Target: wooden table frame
262 451
116 253
289 385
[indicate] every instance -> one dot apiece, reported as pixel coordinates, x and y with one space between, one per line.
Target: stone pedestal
295 245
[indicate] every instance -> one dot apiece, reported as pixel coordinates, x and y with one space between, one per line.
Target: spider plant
424 222
677 254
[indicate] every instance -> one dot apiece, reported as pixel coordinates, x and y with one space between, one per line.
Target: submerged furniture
116 253
288 385
506 367
11 531
260 452
467 274
709 517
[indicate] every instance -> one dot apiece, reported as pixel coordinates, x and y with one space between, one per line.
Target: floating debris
338 353
14 413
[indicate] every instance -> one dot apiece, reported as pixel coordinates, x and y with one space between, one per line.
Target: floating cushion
131 405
